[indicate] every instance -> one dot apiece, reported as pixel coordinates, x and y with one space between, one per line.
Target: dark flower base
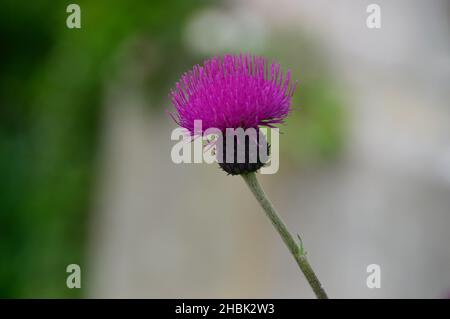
236 168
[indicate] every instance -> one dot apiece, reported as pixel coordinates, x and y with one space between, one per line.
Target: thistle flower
241 92
233 91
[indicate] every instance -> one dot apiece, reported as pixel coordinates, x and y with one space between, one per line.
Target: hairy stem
296 249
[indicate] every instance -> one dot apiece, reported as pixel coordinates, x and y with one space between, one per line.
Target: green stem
295 249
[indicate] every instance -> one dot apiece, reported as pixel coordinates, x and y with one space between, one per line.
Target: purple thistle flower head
233 91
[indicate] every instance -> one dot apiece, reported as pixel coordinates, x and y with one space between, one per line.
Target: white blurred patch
212 31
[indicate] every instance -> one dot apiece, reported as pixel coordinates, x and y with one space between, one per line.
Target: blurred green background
50 85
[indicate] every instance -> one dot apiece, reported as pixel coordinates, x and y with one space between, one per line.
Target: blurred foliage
50 93
315 130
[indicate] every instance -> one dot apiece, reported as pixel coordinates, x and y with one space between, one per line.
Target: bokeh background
87 178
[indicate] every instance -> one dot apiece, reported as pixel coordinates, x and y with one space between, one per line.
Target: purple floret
233 91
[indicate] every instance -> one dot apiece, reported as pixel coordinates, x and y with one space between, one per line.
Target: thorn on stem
302 250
